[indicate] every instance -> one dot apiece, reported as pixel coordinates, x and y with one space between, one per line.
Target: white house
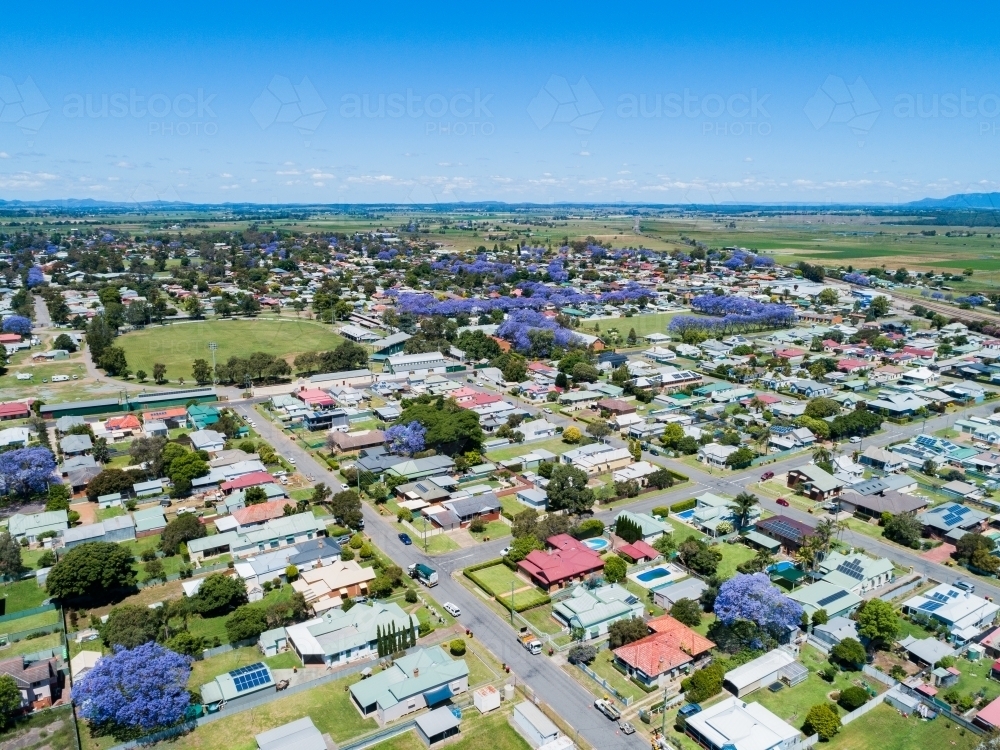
715 454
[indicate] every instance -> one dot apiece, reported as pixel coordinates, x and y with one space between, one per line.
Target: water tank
508 692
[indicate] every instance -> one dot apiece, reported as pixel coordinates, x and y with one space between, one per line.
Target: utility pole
213 346
663 727
512 603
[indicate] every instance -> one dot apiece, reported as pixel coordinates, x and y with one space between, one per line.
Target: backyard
886 729
493 731
20 595
500 580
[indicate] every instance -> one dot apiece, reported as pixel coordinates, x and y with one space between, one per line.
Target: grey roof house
31 526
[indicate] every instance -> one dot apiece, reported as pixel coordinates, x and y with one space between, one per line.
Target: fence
770 457
899 591
604 683
879 675
859 712
380 736
208 653
28 612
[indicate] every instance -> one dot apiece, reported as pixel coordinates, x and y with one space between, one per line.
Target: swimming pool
657 576
686 515
780 566
597 544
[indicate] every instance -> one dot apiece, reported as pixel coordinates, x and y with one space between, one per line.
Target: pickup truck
528 640
608 709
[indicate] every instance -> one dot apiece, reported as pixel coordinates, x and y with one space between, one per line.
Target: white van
24 376
60 378
452 610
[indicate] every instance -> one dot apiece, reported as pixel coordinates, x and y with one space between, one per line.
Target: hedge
683 506
542 600
680 478
661 510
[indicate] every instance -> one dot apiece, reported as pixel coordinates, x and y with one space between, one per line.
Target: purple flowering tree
26 471
731 314
143 688
856 278
35 277
17 324
755 599
406 439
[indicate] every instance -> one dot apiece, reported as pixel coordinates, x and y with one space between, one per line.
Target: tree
522 547
984 561
673 433
135 691
159 373
904 529
181 530
201 371
26 471
108 482
740 459
852 698
254 496
929 467
183 469
219 593
877 621
114 362
755 599
698 556
969 544
525 523
599 429
664 544
94 570
406 439
820 617
615 569
10 700
828 296
346 508
849 653
581 654
18 324
248 621
820 408
687 611
584 373
451 429
101 452
572 435
626 631
63 341
742 507
635 450
59 496
879 306
567 490
823 720
660 479
10 555
129 626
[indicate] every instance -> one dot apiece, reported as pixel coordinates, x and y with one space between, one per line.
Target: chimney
416 672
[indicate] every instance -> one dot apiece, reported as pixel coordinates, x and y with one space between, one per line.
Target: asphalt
567 697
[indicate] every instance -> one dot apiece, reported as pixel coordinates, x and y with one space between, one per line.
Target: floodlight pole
213 346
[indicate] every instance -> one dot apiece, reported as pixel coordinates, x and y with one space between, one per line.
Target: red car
782 502
766 475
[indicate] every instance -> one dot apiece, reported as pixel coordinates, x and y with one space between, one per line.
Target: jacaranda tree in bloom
755 599
739 315
856 278
35 277
26 471
406 439
518 326
17 324
135 691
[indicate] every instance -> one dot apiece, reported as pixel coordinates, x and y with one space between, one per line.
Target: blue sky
659 103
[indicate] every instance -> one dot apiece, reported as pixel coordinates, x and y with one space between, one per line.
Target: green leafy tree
218 594
201 371
879 306
820 617
10 700
704 683
10 556
159 372
94 570
522 546
113 362
181 530
878 621
111 481
742 507
849 653
246 622
130 625
567 490
740 459
852 698
621 632
904 529
59 495
615 569
687 611
254 496
451 429
823 720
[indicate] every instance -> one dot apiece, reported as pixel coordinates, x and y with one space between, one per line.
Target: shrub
457 647
661 510
683 506
478 526
849 653
581 654
704 683
410 596
852 698
823 720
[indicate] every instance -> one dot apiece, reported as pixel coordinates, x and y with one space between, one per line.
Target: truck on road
608 709
528 640
427 576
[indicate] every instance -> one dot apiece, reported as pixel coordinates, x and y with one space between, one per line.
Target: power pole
213 346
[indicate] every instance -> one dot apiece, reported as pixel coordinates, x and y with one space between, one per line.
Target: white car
855 439
24 376
452 609
505 551
291 460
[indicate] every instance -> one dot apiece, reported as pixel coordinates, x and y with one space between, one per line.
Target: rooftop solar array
251 677
831 598
784 529
930 606
852 568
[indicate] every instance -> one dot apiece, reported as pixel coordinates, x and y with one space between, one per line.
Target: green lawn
976 677
494 530
643 325
32 621
885 729
542 620
22 595
499 578
492 731
732 555
553 445
602 665
52 640
177 346
103 514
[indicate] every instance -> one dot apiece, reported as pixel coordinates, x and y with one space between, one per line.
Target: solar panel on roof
852 568
831 598
930 606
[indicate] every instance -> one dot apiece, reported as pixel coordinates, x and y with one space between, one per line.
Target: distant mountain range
979 201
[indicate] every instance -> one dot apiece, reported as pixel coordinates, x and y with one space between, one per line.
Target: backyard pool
686 515
658 576
780 566
597 544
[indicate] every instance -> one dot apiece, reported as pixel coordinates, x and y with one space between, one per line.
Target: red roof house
125 422
570 560
261 512
14 410
10 338
639 550
671 646
314 397
852 365
247 480
989 717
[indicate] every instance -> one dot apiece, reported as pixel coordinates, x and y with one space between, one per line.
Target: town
372 489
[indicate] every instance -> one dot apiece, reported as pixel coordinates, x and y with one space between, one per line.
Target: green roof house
31 526
200 417
594 610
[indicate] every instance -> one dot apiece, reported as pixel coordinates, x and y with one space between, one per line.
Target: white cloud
4 155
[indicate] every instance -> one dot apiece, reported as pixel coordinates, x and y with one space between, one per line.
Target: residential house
650 527
733 724
75 445
422 679
897 405
671 649
965 614
832 598
569 561
337 637
873 506
281 532
579 399
712 510
835 630
715 454
149 521
117 529
810 388
856 572
209 441
774 666
37 683
33 525
791 534
419 468
815 483
881 459
605 461
951 520
593 610
201 417
331 585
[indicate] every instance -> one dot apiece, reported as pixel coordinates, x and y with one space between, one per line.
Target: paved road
565 695
42 318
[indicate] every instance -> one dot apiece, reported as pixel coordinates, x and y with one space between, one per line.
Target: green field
178 345
492 731
886 729
22 595
643 325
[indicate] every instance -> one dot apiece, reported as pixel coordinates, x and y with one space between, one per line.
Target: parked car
452 609
291 460
547 410
782 502
405 539
766 475
505 551
855 439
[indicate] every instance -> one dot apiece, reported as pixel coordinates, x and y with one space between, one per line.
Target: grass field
491 731
43 730
553 445
22 595
643 325
886 729
177 346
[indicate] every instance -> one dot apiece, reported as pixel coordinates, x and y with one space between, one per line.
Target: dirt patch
87 511
939 554
886 660
32 737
